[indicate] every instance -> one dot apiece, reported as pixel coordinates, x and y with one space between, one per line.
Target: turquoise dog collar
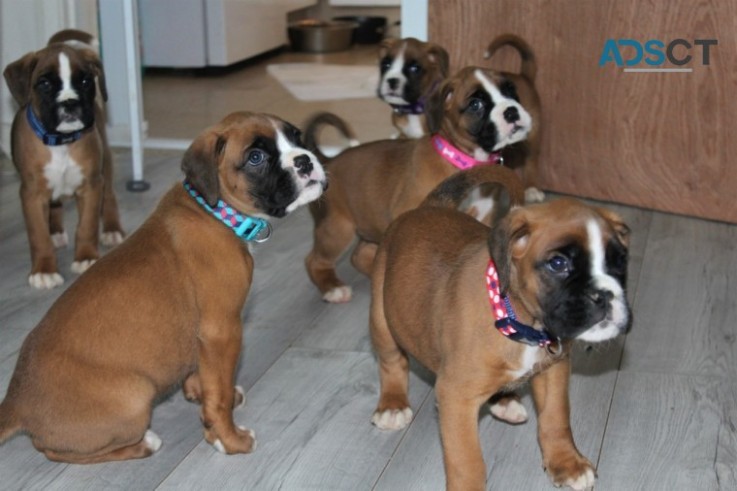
246 227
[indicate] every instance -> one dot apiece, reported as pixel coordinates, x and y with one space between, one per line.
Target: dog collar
246 227
418 107
458 158
506 321
49 138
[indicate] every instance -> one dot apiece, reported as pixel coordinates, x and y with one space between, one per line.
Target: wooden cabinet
665 141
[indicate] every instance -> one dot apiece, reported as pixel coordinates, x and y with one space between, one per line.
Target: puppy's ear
438 55
509 239
435 106
200 165
621 230
94 64
385 46
18 77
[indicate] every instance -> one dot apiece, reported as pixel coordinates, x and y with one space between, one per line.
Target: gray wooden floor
657 410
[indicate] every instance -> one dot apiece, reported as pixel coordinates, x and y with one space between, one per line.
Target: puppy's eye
44 84
559 265
87 82
385 64
257 157
414 68
476 105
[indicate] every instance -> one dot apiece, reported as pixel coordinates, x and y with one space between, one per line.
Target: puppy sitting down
164 307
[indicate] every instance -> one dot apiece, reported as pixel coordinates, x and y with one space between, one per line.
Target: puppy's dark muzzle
304 166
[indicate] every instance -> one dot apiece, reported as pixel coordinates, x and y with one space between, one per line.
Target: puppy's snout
511 115
393 83
303 164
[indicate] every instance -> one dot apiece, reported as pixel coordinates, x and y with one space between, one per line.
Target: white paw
60 240
239 390
80 267
510 410
110 239
45 281
341 294
252 434
152 440
392 419
534 195
583 482
219 446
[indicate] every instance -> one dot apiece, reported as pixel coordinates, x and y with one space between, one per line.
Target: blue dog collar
52 139
246 227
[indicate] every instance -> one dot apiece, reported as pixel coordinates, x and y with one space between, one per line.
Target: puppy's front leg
220 345
562 460
89 201
459 432
44 272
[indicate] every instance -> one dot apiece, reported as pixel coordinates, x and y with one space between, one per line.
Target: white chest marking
530 356
67 92
62 173
414 129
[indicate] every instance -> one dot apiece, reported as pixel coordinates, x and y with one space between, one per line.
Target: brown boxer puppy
60 148
163 307
373 183
523 156
486 309
411 71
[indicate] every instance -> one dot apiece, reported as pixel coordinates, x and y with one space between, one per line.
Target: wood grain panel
657 140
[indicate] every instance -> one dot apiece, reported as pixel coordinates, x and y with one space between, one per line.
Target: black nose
70 104
511 114
393 83
303 164
601 297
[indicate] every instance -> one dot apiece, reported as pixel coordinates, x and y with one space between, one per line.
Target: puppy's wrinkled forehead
270 134
477 81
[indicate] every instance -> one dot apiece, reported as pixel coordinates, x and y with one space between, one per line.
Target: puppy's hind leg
59 237
393 411
147 446
363 256
333 234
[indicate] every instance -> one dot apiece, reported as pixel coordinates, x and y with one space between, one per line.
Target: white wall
26 25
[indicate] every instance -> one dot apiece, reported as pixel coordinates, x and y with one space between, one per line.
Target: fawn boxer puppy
373 183
486 309
59 147
523 156
164 307
411 71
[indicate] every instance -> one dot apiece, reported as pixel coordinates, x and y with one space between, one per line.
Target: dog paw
575 472
152 441
340 294
509 410
111 239
392 419
246 442
60 240
534 195
80 267
45 281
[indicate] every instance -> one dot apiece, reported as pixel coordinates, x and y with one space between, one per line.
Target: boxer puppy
59 147
163 307
523 156
489 308
411 71
373 183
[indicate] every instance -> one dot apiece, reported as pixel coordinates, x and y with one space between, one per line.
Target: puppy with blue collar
163 308
513 299
60 149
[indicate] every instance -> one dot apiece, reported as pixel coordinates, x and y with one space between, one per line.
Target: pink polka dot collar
506 321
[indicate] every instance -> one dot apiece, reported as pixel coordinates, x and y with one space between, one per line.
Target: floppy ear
509 238
621 230
385 46
435 106
95 66
437 54
18 77
200 165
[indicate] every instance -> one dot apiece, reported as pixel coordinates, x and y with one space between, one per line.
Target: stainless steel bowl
315 36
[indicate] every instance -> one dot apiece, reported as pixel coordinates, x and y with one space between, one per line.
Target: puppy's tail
314 125
9 424
76 38
486 192
529 65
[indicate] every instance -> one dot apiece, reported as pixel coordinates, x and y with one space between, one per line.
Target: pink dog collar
458 158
